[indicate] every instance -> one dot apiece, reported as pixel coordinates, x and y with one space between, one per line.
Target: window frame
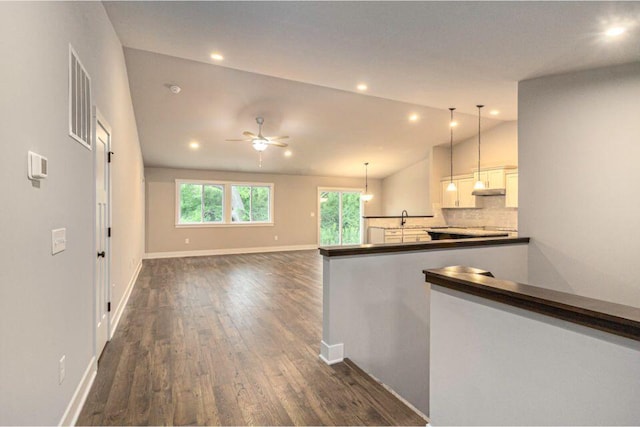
226 205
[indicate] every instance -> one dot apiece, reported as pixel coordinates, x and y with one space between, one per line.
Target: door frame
340 189
99 118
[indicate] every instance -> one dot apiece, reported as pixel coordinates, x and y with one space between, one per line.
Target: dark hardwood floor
231 340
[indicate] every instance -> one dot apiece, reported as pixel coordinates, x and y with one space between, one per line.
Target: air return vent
79 101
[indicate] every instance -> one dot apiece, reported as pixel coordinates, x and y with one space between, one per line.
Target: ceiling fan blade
239 140
249 134
275 138
278 144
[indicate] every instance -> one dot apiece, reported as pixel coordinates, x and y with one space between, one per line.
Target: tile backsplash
490 213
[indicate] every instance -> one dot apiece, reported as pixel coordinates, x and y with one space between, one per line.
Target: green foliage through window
201 203
340 218
250 203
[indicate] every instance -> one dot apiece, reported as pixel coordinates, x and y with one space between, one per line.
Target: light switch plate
58 240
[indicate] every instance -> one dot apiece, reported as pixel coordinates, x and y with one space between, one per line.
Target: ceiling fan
260 142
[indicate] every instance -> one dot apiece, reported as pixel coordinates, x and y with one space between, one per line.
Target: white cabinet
493 177
413 235
398 235
462 197
511 197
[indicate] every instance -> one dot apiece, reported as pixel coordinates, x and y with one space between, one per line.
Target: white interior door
102 146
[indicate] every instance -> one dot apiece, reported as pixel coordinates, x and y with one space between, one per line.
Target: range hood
490 192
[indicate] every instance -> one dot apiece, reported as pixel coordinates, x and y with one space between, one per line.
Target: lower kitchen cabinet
398 235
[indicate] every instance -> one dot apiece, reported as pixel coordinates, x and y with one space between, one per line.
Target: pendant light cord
479 114
451 144
366 178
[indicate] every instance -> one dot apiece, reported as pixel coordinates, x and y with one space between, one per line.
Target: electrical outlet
186 241
275 237
61 369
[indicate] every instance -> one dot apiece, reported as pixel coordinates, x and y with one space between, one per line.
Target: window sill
227 225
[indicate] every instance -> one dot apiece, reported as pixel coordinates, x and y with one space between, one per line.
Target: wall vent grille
79 101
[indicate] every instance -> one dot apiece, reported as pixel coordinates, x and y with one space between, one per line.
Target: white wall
494 364
408 189
579 179
499 147
377 306
46 302
295 198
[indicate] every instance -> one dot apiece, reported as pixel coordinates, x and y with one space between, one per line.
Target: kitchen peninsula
376 305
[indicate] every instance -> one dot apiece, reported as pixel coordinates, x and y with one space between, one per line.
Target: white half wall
494 364
579 201
47 301
377 306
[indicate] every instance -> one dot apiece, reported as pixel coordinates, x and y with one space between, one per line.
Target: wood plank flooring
231 340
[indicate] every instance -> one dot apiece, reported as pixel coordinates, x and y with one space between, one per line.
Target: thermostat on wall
36 166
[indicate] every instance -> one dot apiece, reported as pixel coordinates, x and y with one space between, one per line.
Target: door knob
101 254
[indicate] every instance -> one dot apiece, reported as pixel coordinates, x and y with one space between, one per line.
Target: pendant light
452 185
366 196
479 185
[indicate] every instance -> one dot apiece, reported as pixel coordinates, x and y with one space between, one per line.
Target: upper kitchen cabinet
511 198
462 197
493 177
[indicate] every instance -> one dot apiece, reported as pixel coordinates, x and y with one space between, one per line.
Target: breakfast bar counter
375 308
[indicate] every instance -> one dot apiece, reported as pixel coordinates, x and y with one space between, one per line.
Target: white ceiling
435 54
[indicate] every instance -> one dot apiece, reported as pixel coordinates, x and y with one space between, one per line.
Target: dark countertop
422 246
606 316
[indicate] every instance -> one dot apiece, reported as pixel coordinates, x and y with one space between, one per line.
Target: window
203 203
250 203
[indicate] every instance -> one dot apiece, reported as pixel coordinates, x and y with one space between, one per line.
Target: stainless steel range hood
490 192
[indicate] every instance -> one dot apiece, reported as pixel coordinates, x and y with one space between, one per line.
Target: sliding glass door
340 217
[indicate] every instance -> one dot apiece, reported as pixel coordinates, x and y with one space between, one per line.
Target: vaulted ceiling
297 64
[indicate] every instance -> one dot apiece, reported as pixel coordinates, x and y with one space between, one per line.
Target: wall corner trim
331 354
231 251
123 302
74 408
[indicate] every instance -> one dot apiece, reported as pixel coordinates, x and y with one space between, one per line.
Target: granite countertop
469 231
479 232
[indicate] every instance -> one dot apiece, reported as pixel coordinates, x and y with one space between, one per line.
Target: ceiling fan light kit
259 141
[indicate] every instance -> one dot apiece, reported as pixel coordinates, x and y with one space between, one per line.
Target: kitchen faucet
403 217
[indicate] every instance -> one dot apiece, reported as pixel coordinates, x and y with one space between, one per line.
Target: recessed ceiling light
414 118
494 112
362 87
615 31
217 57
194 144
288 153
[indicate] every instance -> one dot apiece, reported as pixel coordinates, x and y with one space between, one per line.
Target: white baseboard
232 251
331 354
402 399
117 314
72 412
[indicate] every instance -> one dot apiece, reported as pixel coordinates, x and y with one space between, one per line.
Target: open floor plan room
231 340
319 213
